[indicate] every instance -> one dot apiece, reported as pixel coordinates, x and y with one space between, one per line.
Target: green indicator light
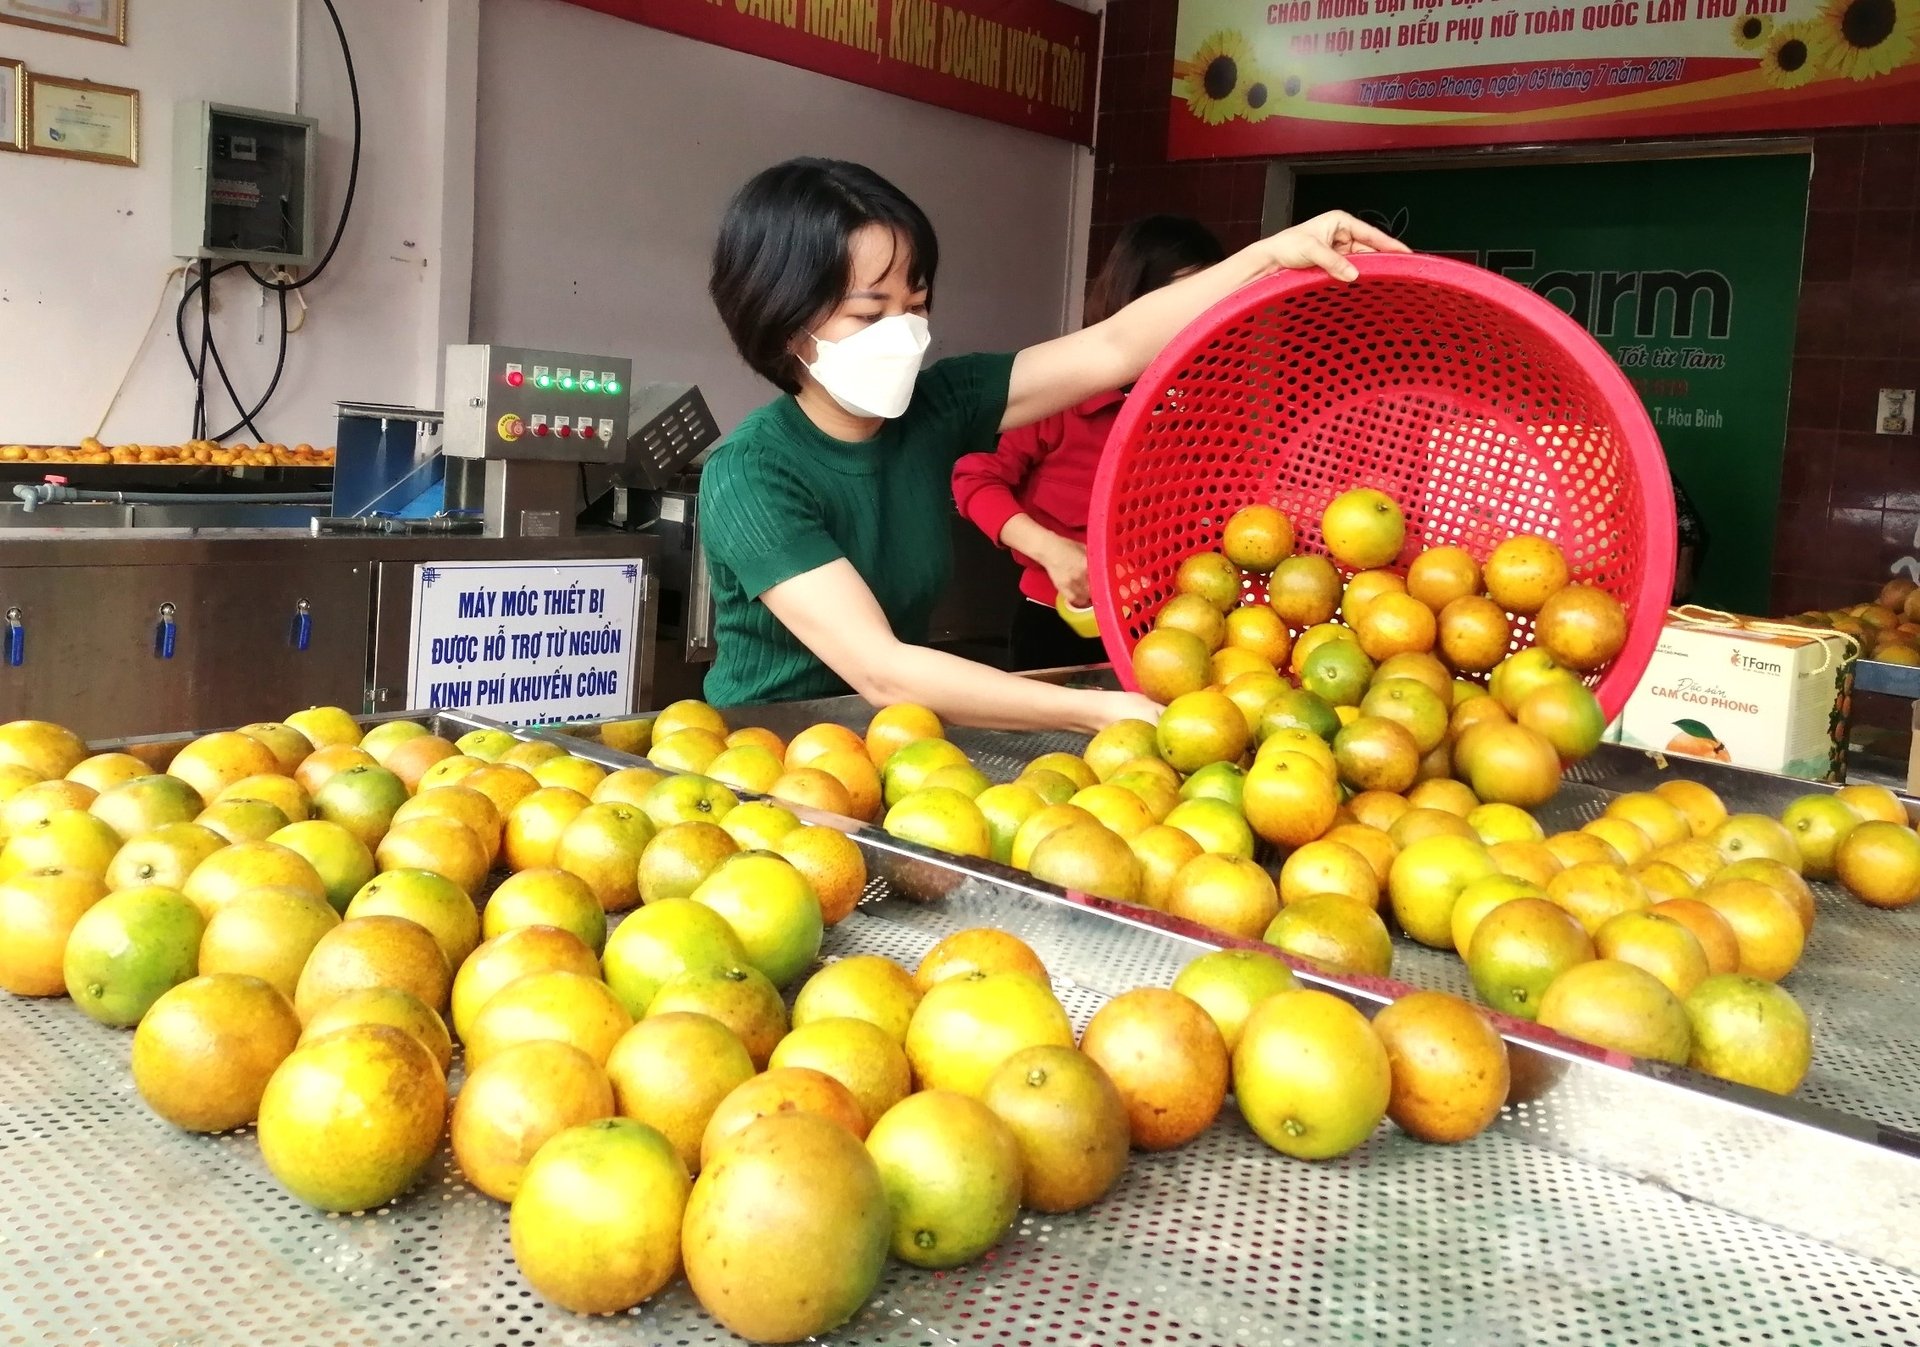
544 381
613 387
589 385
567 384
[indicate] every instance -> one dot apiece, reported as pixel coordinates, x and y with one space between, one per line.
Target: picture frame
101 20
76 119
13 104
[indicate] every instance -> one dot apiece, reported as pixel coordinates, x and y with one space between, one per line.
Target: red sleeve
984 485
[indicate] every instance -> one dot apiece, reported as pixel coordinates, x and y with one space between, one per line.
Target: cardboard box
1774 699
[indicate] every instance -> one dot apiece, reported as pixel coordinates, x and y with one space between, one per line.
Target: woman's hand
1326 241
1118 706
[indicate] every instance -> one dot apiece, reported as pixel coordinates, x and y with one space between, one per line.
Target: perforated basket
1477 405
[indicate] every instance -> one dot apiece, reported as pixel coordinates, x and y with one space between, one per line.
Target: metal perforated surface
117 1230
1482 410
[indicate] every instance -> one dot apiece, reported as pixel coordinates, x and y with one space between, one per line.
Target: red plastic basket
1477 405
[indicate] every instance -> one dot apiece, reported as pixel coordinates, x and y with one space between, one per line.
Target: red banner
1027 63
1253 78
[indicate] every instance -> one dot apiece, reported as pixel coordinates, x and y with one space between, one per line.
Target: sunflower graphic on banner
1332 76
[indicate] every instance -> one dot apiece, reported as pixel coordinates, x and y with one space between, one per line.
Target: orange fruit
1231 662
762 737
1749 1031
242 820
909 768
70 840
1427 879
758 825
486 745
1523 572
1310 1075
1584 627
48 750
266 933
858 1054
1329 866
514 1103
1089 858
1069 1122
1567 714
323 763
1395 624
1519 949
679 859
1199 728
1162 851
350 1121
979 949
1873 803
1170 663
103 771
1657 943
814 789
953 1174
690 750
1777 877
1449 1067
1633 845
549 897
38 912
510 956
598 1213
1167 1058
376 951
660 942
382 739
1216 825
325 726
1764 923
1481 897
282 792
1039 826
566 1007
1212 577
204 1052
864 987
129 808
1378 810
831 864
1745 836
1226 894
771 907
1289 800
894 727
1116 808
389 1006
1715 937
1363 528
1192 613
603 845
232 871
1615 1005
1313 638
856 775
1304 590
1582 848
1363 589
1512 764
738 995
213 762
1339 672
1440 575
1410 704
739 1249
1416 825
749 767
671 1071
364 799
1334 932
1661 820
1701 807
164 857
688 715
1696 858
1377 754
411 760
965 1027
1531 861
629 785
1118 746
571 772
941 818
1496 823
1664 880
687 798
1260 631
816 740
1595 893
449 772
503 783
1257 538
439 845
1879 863
791 1089
33 806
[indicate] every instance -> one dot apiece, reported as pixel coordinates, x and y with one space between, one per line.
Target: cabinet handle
16 639
164 632
302 635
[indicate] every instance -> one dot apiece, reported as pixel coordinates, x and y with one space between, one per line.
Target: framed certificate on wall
77 120
102 20
13 105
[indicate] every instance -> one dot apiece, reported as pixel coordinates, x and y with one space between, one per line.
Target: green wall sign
1686 270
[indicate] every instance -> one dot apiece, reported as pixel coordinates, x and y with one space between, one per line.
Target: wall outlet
1896 413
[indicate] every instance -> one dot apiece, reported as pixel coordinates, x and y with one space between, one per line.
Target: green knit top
780 497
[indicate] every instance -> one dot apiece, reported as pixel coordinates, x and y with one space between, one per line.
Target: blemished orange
1582 625
1764 923
832 865
1167 1058
1523 572
1328 866
1257 538
1395 624
1440 575
979 949
1260 631
816 740
1449 1065
1474 633
1191 613
1304 589
894 727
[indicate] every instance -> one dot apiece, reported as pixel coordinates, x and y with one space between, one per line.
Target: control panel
516 402
243 185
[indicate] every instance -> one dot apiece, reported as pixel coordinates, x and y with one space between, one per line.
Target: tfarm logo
1754 664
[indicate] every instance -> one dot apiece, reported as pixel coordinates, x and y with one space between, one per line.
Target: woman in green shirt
824 515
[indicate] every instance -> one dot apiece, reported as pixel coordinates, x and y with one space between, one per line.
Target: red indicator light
566 432
515 378
541 430
586 432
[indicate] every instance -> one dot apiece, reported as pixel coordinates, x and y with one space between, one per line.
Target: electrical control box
513 402
243 185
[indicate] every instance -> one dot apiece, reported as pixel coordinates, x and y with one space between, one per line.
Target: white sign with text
526 643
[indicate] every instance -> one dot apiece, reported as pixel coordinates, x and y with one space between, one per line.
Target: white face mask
871 373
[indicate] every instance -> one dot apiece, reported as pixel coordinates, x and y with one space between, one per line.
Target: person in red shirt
1031 495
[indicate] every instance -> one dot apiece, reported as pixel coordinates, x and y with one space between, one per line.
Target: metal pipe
35 494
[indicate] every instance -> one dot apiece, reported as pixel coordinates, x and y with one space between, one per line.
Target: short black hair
1149 253
784 255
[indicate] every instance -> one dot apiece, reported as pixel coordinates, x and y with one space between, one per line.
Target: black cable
206 346
273 385
353 170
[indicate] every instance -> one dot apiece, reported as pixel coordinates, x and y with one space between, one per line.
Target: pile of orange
1888 627
199 453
